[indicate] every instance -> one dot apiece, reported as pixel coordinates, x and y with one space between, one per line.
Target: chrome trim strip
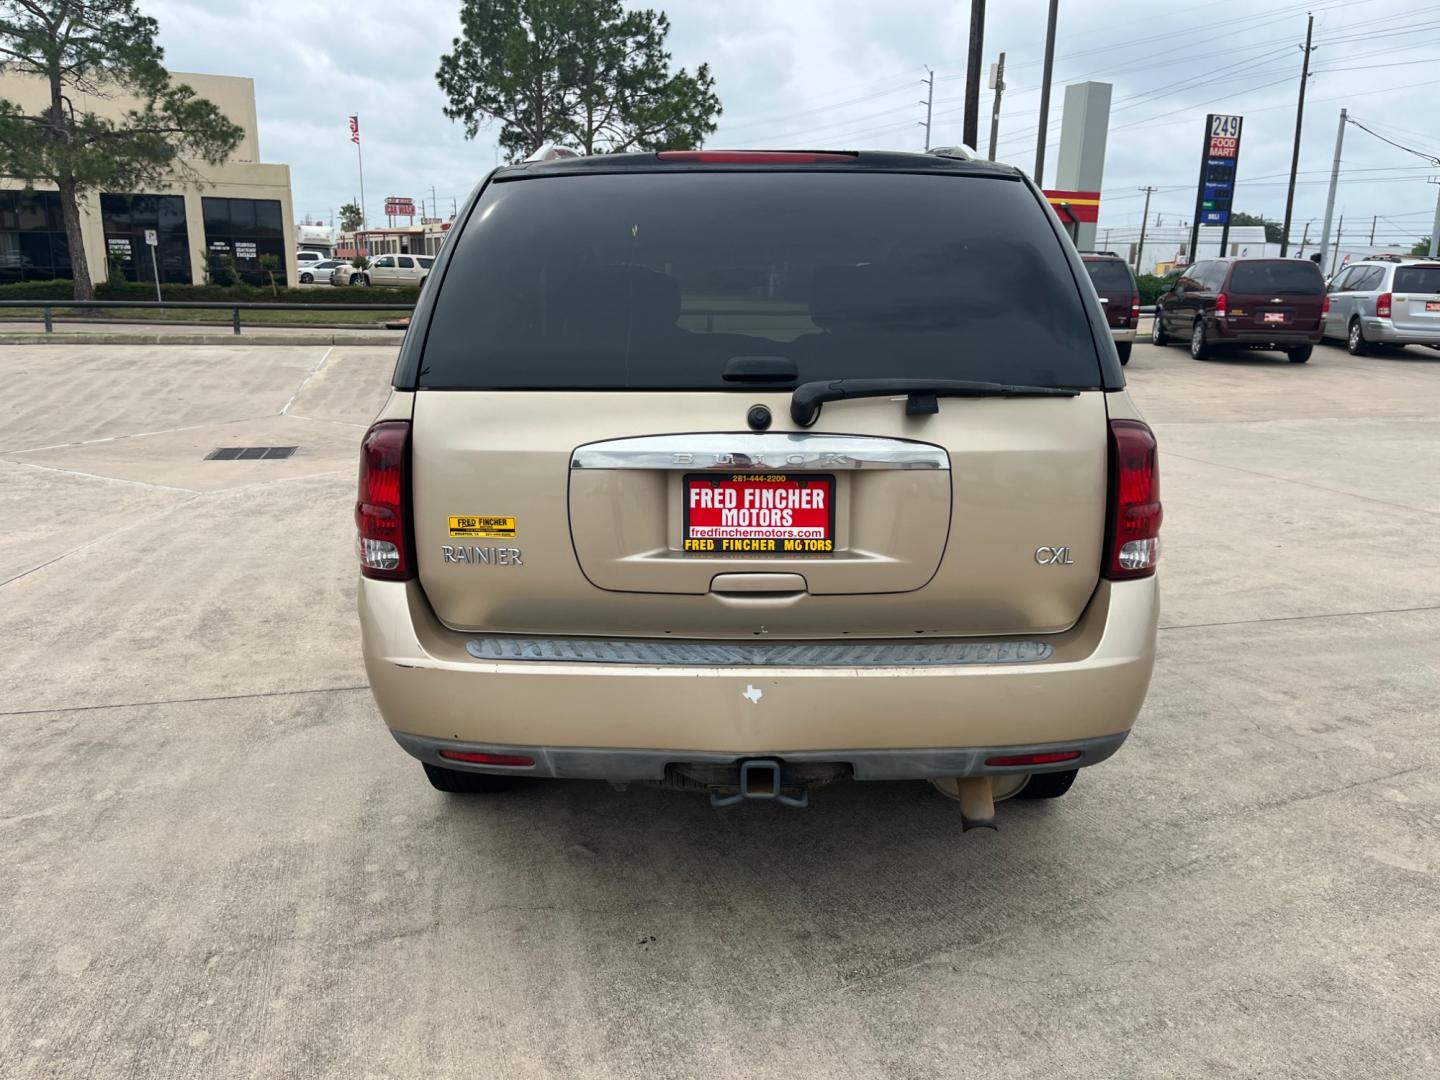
744 451
821 654
598 763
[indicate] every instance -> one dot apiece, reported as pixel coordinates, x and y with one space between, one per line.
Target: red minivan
1114 281
1252 303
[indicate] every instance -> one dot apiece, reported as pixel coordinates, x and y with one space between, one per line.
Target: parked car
1251 303
743 472
1115 283
397 270
347 273
1392 300
310 271
304 260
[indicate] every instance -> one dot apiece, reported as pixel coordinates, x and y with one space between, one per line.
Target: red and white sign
768 514
1223 146
397 206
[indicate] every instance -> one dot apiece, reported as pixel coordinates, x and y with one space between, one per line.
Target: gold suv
744 472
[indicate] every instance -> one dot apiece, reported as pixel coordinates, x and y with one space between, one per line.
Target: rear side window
655 280
1110 275
1277 276
1423 279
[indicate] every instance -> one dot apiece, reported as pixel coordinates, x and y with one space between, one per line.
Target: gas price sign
1217 174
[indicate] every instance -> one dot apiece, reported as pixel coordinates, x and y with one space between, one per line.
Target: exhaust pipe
976 796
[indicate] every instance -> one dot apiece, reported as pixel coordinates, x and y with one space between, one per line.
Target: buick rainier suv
747 472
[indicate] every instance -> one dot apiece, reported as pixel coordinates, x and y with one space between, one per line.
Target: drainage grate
249 453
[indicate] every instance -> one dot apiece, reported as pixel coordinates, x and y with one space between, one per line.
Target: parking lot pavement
216 862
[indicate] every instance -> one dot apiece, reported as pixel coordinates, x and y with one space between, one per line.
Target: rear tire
1355 339
1157 331
1199 347
1045 785
1123 348
1300 355
307 279
456 782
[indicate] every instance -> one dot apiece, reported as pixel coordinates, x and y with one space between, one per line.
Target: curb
201 339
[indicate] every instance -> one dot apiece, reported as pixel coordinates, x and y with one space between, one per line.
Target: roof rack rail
960 151
553 152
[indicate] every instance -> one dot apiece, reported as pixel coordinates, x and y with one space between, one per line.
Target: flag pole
360 161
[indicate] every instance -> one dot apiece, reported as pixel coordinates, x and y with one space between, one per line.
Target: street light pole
995 110
1144 217
1334 182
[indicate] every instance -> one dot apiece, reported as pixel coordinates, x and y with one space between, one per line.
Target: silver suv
1385 300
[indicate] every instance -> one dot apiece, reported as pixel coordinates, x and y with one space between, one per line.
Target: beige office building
240 207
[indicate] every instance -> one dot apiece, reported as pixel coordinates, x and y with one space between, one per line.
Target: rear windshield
1278 276
1110 275
1417 279
655 280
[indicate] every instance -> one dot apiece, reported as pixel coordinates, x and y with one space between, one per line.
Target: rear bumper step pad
758 653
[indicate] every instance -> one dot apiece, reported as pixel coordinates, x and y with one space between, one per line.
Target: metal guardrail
48 307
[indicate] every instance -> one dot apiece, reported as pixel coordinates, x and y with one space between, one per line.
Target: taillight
1135 308
1135 513
754 157
1382 305
1222 304
382 511
1325 305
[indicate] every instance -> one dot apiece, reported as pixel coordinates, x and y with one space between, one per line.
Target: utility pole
971 136
1339 232
1045 93
1334 181
1304 239
1435 225
1144 217
928 103
434 210
1372 229
1307 48
997 83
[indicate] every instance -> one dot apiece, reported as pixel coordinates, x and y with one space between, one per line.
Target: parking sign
152 237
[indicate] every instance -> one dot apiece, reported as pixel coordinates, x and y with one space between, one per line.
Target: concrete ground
216 863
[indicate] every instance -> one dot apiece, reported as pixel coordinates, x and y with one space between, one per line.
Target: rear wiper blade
922 394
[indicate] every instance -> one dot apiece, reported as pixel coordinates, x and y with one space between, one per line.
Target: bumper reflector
518 761
1032 759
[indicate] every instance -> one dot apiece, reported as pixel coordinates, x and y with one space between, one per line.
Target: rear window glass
1417 279
1280 276
1110 275
655 280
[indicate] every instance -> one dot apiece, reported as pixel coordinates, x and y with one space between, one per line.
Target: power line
1392 142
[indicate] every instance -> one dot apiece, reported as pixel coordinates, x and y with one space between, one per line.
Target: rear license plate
1432 305
1274 316
768 514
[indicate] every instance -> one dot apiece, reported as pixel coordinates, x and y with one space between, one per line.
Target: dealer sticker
777 514
474 526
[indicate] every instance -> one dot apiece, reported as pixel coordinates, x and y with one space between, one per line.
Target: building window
125 219
32 237
244 229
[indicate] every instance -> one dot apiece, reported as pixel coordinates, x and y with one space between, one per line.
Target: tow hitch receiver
760 779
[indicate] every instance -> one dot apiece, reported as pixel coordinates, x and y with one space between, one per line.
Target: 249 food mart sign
1217 174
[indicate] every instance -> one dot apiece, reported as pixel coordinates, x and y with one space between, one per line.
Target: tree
99 48
1422 246
586 73
1273 229
271 264
350 217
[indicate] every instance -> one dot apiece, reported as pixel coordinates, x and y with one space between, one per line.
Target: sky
849 74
